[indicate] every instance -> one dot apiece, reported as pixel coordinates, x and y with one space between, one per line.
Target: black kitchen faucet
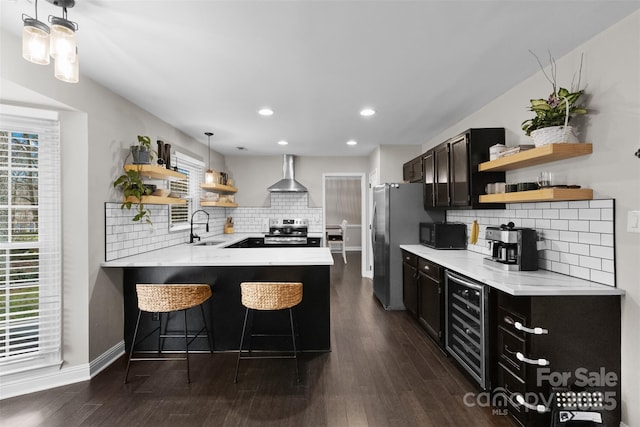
195 236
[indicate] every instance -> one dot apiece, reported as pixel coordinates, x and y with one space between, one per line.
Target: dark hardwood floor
383 371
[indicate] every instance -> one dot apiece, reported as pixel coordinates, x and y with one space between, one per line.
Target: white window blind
179 215
30 248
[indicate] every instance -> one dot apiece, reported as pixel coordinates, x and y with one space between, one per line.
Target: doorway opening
344 198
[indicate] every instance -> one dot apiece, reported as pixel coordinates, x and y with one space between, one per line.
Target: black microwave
443 235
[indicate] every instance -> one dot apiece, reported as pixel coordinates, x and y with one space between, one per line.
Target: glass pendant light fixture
67 70
63 38
35 39
209 176
39 42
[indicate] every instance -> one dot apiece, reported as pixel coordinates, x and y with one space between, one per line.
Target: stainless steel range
287 232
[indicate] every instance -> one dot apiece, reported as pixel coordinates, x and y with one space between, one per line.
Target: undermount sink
210 243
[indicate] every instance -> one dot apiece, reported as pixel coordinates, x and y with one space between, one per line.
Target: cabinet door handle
426 267
536 331
508 320
506 350
539 408
539 362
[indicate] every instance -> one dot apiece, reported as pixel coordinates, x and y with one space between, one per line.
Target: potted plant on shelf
131 183
552 115
142 153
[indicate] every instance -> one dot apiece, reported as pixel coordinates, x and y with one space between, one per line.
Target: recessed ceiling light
283 142
265 111
367 112
352 142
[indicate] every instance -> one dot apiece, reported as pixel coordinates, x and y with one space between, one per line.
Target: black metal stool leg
133 343
204 319
186 344
293 339
244 326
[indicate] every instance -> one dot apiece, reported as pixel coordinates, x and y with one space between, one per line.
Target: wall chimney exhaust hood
287 184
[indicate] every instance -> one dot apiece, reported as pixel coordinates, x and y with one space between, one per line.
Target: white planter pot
554 135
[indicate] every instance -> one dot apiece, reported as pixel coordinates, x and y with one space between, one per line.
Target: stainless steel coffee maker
512 248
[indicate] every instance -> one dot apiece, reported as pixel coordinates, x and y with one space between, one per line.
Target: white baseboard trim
31 382
101 362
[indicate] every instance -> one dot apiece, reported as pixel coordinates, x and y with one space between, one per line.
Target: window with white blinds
30 241
180 215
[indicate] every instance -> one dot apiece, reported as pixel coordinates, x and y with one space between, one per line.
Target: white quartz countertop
218 255
517 283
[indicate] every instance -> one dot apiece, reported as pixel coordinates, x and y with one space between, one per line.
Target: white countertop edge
192 255
517 283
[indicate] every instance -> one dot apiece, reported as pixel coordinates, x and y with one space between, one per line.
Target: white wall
253 174
612 74
97 128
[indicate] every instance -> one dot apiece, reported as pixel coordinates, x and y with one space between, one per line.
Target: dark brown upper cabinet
412 170
451 176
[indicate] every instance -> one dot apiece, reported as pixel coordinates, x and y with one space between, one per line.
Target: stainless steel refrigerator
397 212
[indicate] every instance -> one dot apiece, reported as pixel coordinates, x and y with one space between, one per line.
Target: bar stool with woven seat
269 296
169 298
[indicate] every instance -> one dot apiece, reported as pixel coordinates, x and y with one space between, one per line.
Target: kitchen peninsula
224 269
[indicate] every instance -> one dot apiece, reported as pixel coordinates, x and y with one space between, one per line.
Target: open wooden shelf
156 172
156 200
544 195
536 156
219 188
219 204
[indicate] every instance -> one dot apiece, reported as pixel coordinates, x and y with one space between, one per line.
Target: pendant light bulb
63 39
66 70
209 176
35 39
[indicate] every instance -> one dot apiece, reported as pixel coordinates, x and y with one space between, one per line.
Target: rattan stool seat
269 296
166 299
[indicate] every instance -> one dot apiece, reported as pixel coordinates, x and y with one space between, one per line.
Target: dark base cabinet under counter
547 344
224 311
423 295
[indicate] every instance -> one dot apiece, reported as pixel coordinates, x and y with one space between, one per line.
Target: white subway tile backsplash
601 226
603 277
579 225
606 239
580 272
568 213
589 238
605 252
589 214
591 262
579 248
578 235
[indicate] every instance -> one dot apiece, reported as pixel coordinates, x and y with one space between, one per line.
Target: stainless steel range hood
287 183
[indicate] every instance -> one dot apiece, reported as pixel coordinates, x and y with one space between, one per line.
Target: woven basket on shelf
164 298
554 135
271 295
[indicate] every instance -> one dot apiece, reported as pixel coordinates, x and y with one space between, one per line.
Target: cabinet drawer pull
426 267
539 362
539 408
506 350
536 331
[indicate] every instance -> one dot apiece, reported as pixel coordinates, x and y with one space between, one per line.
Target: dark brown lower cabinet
547 344
430 299
409 282
423 282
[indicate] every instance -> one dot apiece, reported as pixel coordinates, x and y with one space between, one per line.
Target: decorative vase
554 135
140 156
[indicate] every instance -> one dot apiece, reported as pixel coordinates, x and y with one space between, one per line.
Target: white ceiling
422 65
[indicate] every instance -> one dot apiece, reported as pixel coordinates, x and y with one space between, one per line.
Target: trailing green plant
552 111
133 187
